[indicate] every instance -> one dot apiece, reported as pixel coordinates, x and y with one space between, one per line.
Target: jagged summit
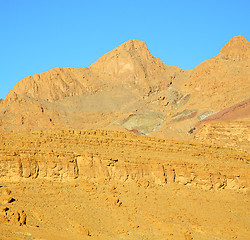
133 44
130 65
237 49
129 62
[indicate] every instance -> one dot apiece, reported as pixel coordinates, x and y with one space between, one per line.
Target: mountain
128 88
129 65
214 85
237 49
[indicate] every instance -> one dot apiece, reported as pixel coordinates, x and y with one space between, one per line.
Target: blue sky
37 35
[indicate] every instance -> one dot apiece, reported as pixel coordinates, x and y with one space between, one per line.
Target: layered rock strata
231 134
103 155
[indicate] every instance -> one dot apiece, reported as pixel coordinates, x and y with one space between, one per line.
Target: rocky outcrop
106 155
53 85
8 213
231 134
237 49
229 127
132 65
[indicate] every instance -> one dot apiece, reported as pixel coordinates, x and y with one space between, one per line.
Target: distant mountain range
129 89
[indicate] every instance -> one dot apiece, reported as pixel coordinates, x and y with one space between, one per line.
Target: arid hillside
129 88
102 184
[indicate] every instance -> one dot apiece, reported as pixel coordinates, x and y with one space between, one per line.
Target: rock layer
233 134
106 155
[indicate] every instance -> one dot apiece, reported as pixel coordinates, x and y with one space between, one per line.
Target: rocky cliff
116 156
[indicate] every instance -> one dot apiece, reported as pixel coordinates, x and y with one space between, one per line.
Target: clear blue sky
37 35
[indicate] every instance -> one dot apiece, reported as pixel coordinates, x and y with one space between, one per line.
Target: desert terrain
129 148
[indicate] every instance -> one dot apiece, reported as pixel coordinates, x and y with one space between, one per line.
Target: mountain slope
129 65
129 88
214 85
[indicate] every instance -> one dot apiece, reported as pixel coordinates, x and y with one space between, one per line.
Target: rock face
130 62
237 49
53 85
7 213
229 127
132 65
234 134
106 155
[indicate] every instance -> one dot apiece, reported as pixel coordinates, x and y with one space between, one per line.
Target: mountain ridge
128 87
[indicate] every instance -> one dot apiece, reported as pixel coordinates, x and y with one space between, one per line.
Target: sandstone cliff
107 155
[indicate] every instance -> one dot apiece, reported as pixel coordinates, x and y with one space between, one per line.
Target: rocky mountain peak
133 44
131 62
237 49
